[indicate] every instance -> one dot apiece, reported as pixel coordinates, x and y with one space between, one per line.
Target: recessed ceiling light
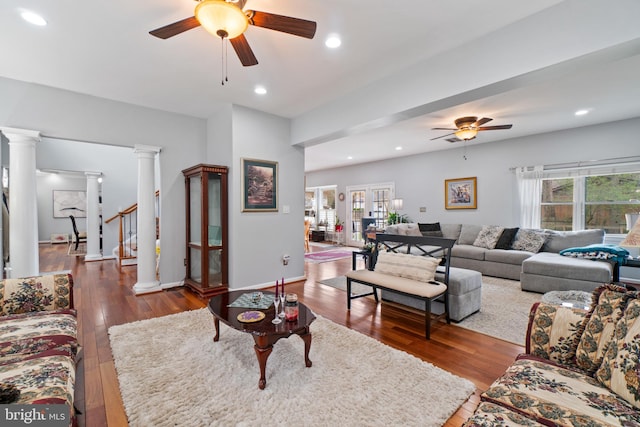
333 41
33 18
349 157
260 90
398 148
581 112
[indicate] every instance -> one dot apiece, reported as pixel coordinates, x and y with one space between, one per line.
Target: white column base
93 257
146 288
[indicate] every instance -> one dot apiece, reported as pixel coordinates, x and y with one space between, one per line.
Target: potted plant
339 225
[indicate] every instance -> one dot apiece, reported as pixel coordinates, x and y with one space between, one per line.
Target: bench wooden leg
427 320
348 293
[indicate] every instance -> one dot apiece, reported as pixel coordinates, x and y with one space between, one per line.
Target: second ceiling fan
468 127
227 20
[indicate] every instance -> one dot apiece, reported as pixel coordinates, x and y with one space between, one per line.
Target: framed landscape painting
67 203
259 186
460 193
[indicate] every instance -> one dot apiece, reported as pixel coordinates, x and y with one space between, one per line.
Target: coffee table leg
307 346
216 324
263 354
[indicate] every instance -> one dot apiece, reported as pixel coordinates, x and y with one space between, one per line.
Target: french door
368 204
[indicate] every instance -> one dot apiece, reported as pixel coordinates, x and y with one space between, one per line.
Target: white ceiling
104 49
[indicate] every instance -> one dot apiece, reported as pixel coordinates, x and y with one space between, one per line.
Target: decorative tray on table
250 316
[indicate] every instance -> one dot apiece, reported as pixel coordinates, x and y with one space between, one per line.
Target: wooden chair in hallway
78 236
307 229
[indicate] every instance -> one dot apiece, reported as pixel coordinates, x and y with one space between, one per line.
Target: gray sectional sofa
540 269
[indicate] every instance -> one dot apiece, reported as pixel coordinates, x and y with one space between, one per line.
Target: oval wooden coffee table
264 333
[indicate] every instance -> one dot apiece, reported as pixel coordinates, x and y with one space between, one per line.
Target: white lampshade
633 225
396 204
221 19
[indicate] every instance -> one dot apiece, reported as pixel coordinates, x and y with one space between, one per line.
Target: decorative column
146 232
93 217
23 204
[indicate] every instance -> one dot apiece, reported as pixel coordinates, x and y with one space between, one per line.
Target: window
587 202
320 207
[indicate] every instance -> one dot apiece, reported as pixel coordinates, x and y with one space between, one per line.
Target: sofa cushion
556 265
488 236
451 231
418 268
528 240
553 332
489 414
46 379
559 240
506 238
32 333
432 230
506 256
47 292
468 251
468 234
554 395
599 326
620 368
413 231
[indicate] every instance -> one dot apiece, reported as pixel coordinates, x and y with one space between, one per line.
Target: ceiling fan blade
496 127
285 24
438 137
443 129
175 28
243 50
482 121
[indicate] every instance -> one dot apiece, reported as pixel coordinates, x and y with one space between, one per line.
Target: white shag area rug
504 311
171 373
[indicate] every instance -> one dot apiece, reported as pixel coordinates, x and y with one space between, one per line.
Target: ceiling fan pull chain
226 61
222 61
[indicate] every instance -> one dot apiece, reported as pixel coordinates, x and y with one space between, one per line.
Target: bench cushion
402 284
412 267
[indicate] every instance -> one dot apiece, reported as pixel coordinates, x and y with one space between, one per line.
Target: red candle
276 289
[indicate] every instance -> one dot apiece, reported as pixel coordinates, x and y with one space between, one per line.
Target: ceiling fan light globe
219 17
466 134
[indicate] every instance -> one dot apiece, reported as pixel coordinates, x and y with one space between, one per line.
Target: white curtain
530 192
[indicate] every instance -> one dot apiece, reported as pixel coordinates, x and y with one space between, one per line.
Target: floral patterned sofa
38 341
581 367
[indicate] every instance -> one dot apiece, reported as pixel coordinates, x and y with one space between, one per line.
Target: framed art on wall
66 202
460 193
259 186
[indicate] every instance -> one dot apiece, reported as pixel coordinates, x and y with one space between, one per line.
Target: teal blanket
598 251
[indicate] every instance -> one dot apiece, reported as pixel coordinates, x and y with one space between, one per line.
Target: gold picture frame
460 193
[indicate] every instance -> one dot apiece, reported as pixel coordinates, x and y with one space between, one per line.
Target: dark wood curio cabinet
207 234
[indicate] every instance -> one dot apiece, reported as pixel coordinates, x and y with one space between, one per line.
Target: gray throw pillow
528 240
488 236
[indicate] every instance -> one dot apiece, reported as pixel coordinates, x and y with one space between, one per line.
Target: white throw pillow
420 268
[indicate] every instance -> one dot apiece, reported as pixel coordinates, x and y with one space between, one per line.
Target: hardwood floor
103 296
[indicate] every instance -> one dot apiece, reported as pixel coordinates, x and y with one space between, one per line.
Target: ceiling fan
227 20
468 127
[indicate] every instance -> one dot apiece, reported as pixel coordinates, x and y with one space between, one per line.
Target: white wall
419 180
119 169
68 115
260 239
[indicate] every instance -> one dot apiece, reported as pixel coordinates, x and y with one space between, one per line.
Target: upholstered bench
395 271
465 293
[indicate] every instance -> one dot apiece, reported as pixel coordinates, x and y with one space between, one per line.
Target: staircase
126 251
